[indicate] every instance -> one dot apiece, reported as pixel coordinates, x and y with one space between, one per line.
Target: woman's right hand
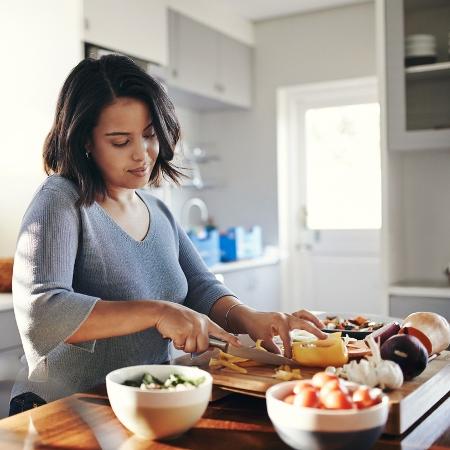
188 329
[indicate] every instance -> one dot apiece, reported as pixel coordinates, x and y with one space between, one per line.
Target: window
343 167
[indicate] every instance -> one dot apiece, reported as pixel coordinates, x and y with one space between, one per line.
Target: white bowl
157 414
318 429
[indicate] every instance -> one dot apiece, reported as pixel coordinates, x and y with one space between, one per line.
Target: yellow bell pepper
321 353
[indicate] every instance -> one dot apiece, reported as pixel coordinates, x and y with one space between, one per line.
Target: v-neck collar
151 225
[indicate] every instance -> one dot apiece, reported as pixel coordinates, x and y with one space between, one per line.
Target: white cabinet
418 110
9 334
415 121
135 27
207 63
192 55
258 287
9 367
10 352
234 71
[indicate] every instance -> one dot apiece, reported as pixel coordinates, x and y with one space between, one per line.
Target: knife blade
260 356
195 359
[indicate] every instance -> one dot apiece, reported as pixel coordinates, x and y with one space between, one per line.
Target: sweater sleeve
204 289
47 309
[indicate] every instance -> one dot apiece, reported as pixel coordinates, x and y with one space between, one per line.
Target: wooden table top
235 422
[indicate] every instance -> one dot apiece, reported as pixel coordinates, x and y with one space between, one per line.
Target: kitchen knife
260 356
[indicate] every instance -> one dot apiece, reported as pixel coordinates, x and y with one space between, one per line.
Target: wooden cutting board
407 404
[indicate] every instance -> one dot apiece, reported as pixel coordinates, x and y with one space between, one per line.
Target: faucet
186 210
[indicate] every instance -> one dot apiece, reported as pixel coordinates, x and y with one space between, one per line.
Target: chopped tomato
320 378
363 397
334 394
289 398
307 397
337 400
332 385
301 385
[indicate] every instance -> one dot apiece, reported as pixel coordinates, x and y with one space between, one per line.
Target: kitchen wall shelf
416 107
204 159
201 186
434 289
191 159
427 71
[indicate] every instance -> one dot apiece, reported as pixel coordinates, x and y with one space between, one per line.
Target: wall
326 45
190 122
39 42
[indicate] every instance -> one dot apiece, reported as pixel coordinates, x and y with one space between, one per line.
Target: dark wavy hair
90 86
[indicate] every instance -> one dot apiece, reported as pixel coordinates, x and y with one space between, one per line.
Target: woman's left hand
266 325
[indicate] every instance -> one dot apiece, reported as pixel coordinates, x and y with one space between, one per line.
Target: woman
104 277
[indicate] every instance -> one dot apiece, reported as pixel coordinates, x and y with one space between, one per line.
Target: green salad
175 382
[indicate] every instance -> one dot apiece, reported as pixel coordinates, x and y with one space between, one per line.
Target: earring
88 155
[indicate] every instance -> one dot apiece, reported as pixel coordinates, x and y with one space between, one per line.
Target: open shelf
427 71
421 288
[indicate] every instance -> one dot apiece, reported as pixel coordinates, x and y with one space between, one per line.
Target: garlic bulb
374 371
389 374
362 373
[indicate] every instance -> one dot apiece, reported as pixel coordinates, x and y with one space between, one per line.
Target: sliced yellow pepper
321 353
286 373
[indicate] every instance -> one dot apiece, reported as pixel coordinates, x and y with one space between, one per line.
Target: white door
330 196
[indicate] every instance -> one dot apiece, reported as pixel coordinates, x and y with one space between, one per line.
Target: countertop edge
269 258
6 301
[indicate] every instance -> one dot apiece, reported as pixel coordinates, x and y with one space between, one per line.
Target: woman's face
124 145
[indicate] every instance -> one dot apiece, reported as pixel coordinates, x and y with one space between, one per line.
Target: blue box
206 241
238 243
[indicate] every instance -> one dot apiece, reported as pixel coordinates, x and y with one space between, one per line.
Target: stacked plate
420 49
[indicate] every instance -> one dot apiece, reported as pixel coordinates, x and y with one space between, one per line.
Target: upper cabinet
207 64
234 71
136 27
417 105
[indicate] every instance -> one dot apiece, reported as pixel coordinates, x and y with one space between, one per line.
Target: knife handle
217 343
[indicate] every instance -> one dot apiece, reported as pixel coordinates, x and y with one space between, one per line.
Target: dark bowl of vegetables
356 326
159 401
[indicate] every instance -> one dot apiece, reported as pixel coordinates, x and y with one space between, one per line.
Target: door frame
292 101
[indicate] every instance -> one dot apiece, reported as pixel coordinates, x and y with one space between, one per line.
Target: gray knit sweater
68 258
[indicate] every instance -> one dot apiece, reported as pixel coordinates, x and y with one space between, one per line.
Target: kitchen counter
86 421
270 256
